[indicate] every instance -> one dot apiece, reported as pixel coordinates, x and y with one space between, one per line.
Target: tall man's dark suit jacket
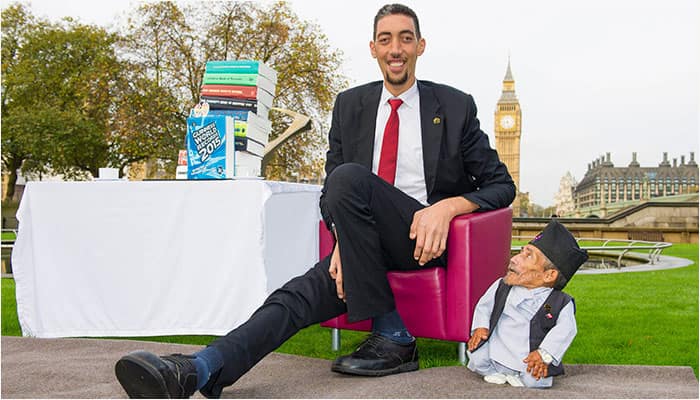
457 157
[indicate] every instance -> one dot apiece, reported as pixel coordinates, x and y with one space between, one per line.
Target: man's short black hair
392 9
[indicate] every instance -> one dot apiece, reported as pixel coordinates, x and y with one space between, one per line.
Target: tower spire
508 92
509 75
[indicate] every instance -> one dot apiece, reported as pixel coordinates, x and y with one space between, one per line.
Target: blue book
210 147
246 123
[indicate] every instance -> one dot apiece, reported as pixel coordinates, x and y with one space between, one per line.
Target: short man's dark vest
540 324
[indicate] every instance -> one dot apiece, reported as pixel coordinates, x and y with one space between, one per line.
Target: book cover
212 78
238 92
182 158
242 67
210 147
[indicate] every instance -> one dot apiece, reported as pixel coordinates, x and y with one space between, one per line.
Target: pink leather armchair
438 302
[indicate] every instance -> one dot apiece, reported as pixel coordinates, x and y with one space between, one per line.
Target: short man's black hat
559 245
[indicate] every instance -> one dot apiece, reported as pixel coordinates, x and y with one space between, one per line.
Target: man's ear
372 49
421 46
550 276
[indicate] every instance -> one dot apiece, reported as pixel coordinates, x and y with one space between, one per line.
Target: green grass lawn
645 318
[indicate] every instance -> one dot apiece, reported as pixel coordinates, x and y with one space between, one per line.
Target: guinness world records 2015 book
215 152
210 147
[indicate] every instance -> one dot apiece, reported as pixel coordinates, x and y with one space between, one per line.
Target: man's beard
397 82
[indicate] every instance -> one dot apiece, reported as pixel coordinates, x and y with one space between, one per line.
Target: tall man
405 157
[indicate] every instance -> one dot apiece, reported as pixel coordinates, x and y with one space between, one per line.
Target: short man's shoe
498 379
514 381
145 375
378 356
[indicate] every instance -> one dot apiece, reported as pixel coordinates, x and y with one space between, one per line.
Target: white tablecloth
157 257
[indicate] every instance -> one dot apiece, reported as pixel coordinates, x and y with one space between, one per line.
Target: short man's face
527 269
396 48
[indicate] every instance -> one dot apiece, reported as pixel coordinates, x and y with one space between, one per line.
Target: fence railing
617 247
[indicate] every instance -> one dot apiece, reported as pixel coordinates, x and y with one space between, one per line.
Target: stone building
605 184
564 199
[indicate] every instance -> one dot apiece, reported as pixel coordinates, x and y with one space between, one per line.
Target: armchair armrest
325 241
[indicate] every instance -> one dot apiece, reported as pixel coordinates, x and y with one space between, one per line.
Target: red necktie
390 144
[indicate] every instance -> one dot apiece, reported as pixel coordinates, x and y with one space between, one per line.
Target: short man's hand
535 366
336 271
431 225
478 335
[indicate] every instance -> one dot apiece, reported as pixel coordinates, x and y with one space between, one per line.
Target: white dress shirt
410 177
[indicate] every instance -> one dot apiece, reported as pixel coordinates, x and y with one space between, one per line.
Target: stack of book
228 130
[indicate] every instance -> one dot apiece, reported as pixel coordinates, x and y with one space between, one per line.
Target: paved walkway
665 262
84 368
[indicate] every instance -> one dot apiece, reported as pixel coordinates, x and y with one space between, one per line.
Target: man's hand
431 225
535 366
478 335
336 271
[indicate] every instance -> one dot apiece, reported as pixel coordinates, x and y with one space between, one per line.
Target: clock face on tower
507 122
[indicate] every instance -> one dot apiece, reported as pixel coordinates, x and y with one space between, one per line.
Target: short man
405 157
524 323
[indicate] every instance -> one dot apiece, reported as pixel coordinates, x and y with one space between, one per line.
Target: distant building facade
507 130
564 199
604 183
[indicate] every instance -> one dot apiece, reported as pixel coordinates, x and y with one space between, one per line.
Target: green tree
71 105
16 146
147 123
158 37
76 97
175 44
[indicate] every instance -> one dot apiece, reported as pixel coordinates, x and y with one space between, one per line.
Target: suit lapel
366 114
432 124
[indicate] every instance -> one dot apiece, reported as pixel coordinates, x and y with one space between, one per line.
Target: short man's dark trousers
372 220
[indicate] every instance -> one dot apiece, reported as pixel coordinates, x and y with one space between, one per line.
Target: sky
592 77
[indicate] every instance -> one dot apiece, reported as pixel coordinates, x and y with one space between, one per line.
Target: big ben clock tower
507 128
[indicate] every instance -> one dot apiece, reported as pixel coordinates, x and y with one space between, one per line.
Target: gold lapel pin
436 121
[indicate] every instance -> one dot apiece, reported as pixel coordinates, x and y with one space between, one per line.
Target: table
119 258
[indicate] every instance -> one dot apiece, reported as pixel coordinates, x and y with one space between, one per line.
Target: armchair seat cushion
423 311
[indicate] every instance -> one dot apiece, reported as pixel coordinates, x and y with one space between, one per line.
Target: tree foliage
176 43
16 147
76 97
71 105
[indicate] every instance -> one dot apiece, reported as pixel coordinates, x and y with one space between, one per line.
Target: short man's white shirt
410 176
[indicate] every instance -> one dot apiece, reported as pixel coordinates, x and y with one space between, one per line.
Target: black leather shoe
145 375
378 356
